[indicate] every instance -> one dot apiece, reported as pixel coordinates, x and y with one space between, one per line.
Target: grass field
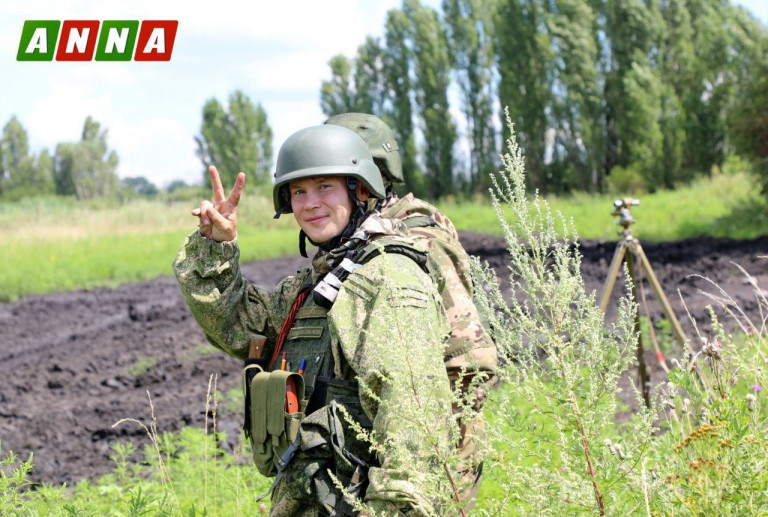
55 244
58 244
726 205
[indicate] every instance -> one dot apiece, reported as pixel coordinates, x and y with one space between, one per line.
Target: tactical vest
317 432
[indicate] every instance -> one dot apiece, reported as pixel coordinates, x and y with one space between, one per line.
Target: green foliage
234 139
397 70
432 72
625 181
13 480
562 366
749 119
579 138
86 169
338 95
196 478
140 186
712 457
646 86
22 175
526 59
469 31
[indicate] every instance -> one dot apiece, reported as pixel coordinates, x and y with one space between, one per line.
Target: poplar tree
370 84
21 173
525 61
235 139
14 149
633 88
469 27
86 169
338 94
432 72
399 115
579 138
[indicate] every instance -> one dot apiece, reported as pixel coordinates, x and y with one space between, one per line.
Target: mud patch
74 363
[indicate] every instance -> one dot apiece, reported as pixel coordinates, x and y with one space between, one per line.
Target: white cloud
59 116
277 52
159 149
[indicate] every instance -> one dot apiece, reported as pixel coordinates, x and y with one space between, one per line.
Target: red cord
287 324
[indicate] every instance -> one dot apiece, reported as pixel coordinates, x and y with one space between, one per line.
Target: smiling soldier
354 345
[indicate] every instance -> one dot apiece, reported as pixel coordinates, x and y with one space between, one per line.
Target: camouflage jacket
387 325
469 344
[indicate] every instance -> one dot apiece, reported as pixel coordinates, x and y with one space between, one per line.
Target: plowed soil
74 363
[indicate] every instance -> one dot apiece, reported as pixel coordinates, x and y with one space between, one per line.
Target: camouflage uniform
470 347
360 341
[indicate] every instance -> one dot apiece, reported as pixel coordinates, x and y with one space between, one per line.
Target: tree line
84 169
648 92
235 136
604 94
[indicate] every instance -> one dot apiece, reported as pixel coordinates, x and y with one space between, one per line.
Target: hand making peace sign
218 220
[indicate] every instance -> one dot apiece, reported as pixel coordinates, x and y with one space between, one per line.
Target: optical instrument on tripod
630 250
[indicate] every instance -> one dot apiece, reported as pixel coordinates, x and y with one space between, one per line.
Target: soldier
354 345
470 348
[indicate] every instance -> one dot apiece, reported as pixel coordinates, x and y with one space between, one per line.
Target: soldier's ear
362 192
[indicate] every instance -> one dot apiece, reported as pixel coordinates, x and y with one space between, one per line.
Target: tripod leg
646 265
613 272
645 382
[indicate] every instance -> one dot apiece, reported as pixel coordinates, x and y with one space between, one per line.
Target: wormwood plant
712 459
13 479
555 442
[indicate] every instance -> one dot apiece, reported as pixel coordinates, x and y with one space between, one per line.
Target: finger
205 206
237 190
196 212
217 219
218 189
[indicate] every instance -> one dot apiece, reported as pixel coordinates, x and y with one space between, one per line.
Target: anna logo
81 40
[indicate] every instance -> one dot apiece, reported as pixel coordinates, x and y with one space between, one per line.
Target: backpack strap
375 248
326 290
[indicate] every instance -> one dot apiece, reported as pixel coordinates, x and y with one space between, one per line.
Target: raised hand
218 220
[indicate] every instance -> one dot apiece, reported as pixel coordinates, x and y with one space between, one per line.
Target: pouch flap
276 399
259 407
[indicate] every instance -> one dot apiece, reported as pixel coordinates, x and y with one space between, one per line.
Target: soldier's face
321 206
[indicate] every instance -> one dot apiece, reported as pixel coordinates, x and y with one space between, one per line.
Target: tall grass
55 244
725 205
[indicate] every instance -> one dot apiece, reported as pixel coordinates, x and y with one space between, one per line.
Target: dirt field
74 363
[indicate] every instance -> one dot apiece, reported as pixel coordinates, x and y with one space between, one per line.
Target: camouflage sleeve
389 324
229 309
470 344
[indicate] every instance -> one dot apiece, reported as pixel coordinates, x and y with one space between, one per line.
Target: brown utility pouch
272 429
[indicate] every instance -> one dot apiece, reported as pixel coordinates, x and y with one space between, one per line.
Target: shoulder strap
419 221
375 248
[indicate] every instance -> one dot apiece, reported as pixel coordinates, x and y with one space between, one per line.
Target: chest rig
317 433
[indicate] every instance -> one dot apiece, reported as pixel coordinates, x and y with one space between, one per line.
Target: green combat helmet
380 139
323 151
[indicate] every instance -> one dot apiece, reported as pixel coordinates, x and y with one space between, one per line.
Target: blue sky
276 52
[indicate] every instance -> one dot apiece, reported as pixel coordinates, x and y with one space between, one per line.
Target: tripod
629 250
